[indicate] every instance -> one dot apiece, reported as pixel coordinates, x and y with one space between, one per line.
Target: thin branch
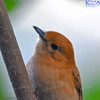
13 59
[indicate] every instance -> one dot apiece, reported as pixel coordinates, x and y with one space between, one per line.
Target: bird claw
36 92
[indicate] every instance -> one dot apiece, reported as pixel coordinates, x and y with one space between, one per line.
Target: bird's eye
54 46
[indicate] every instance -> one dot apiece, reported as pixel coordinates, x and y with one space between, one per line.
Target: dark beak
41 33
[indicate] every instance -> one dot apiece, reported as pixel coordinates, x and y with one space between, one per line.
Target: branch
13 59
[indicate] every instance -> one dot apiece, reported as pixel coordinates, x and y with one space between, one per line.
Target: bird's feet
36 92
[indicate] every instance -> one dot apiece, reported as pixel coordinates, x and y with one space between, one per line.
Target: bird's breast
53 83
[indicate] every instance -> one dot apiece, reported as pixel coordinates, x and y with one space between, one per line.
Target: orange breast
57 82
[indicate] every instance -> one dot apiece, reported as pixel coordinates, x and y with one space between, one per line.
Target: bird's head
55 46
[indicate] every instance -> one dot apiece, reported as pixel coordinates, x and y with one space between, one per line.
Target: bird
52 69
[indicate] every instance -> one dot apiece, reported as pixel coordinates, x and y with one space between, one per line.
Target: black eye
54 46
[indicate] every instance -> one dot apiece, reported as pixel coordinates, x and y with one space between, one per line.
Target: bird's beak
41 33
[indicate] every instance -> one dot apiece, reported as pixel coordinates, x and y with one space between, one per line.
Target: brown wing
77 82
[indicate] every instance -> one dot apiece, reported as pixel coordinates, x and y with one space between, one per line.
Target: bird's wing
77 82
29 67
30 71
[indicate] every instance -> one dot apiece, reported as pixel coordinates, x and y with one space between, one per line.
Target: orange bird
52 69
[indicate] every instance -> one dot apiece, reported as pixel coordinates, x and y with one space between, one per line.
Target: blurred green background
11 4
72 18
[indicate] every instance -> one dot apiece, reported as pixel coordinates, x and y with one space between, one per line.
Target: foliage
1 91
92 93
10 4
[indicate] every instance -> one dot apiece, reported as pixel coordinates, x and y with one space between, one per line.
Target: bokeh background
72 18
